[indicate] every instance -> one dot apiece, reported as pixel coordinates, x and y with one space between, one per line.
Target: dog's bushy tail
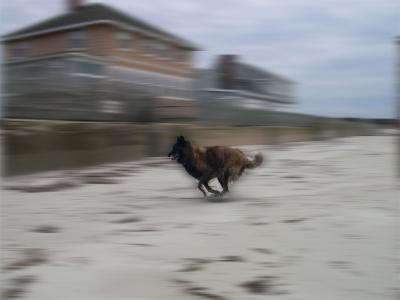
257 161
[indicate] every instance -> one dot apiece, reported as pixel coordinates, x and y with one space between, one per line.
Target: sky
340 53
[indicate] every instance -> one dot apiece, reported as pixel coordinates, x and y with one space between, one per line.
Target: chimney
73 5
226 71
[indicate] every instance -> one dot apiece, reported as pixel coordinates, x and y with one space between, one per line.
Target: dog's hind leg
203 181
210 190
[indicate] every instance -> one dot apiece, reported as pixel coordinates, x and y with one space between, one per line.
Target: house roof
91 14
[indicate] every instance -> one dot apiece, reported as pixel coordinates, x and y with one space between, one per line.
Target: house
236 93
94 62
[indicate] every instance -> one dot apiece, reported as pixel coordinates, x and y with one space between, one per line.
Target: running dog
205 163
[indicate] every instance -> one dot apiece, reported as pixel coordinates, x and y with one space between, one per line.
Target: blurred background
93 95
91 82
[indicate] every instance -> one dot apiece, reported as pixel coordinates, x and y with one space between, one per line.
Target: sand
318 221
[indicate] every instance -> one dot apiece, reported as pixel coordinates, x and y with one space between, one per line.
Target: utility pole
397 83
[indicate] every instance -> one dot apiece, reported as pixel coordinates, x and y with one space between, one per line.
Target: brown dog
206 163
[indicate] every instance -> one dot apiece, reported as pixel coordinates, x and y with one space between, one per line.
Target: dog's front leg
200 187
223 181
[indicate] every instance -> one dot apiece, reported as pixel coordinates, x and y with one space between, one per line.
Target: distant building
96 63
235 93
250 85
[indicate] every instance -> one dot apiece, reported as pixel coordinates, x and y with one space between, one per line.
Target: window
20 50
161 49
35 71
179 55
183 55
77 40
147 46
56 68
154 47
111 107
124 41
87 68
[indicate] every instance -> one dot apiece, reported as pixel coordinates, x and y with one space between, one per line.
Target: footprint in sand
30 257
46 229
18 287
264 285
128 220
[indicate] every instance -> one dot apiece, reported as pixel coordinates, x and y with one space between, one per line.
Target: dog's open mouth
174 156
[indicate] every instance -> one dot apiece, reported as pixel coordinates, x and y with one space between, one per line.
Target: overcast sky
341 53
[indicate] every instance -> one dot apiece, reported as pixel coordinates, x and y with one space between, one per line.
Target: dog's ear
180 140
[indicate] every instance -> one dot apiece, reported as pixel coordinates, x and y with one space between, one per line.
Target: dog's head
180 150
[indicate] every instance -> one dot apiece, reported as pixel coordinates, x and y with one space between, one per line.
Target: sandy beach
317 221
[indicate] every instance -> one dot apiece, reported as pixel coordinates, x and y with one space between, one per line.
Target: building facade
96 63
235 93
